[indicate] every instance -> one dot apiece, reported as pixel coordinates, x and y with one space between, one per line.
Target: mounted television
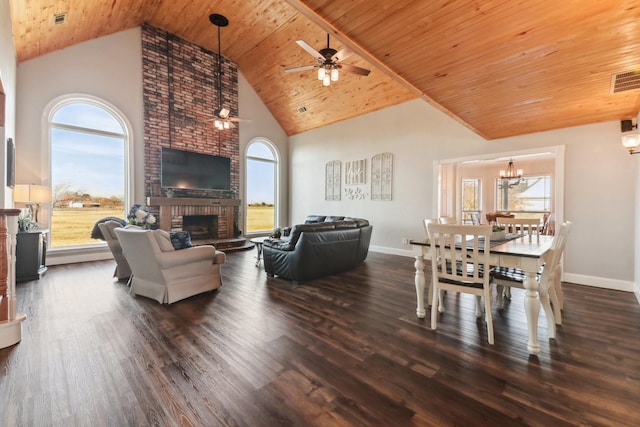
187 169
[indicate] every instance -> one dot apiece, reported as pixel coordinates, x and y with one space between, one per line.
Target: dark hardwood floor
340 351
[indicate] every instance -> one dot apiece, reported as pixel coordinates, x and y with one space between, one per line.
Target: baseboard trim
71 256
598 282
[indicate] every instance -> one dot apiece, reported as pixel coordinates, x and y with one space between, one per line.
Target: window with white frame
89 179
529 197
261 174
471 198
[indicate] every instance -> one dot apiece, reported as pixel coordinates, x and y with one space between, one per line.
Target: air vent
629 80
302 109
59 19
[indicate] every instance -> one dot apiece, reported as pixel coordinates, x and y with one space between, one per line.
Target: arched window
89 144
261 187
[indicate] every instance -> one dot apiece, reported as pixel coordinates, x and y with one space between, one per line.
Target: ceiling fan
223 120
329 63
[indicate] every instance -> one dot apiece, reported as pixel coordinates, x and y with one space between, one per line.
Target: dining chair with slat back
523 226
549 279
447 220
549 224
475 218
459 257
426 223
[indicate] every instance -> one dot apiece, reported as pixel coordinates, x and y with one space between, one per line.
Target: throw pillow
181 239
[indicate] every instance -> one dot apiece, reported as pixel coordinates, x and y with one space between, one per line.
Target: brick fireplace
174 209
180 98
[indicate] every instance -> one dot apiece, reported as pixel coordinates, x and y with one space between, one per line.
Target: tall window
88 169
471 198
261 180
529 196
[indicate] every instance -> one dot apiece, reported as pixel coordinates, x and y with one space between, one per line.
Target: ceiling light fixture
222 122
630 137
511 172
329 63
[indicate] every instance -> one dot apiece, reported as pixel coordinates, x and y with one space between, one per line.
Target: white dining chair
426 223
459 256
447 220
549 279
523 226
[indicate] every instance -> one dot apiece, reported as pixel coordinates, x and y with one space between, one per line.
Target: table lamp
32 195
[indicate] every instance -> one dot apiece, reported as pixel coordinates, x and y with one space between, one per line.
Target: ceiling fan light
321 73
226 124
218 124
326 80
334 75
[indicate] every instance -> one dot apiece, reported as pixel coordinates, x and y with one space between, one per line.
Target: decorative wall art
381 176
355 172
333 170
355 193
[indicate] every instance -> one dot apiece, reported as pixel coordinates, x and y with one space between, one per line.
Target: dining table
524 252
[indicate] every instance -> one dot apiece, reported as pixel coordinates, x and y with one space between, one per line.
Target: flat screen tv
187 169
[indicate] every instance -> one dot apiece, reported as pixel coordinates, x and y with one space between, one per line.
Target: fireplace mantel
174 208
190 201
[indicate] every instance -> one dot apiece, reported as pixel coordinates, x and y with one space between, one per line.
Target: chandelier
511 172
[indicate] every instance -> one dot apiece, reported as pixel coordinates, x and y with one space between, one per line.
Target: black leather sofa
323 245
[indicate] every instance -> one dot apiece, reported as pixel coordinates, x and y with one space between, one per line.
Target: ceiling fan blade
238 119
303 68
311 51
355 70
343 54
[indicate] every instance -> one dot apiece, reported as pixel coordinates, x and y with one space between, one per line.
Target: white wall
8 77
262 124
599 182
109 68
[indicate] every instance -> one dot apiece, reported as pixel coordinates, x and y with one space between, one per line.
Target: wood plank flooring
347 350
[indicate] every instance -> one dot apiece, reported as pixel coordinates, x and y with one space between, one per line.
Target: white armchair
122 271
165 274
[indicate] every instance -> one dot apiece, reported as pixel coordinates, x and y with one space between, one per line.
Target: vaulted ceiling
500 67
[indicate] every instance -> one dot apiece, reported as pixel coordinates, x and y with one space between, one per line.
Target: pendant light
222 122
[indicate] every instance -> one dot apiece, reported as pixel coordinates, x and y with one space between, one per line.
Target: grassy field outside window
260 218
72 226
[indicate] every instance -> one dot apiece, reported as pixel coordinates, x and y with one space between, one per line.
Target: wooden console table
10 321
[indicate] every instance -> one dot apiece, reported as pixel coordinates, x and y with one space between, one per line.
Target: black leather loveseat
323 245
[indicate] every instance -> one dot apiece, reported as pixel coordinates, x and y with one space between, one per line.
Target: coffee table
258 241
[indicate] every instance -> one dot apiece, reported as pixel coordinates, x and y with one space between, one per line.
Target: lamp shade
31 193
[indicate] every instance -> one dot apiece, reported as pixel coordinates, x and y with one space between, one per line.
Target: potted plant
498 233
26 223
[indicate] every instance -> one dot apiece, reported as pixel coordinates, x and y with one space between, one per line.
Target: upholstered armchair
165 274
122 271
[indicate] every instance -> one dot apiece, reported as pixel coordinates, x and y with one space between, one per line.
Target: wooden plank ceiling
500 67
